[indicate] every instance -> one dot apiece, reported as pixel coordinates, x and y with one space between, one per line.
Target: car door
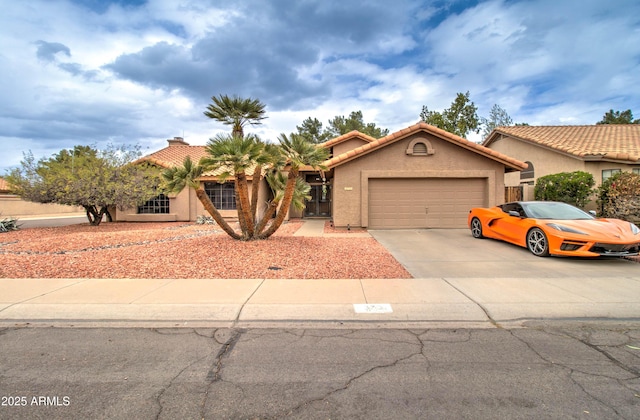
510 227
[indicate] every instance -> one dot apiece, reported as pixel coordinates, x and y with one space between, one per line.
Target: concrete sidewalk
426 302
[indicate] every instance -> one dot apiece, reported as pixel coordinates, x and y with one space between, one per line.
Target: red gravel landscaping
186 250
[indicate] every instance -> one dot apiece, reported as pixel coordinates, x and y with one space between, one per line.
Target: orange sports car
552 228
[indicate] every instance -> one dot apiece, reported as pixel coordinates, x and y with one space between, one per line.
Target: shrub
619 197
569 187
9 224
205 220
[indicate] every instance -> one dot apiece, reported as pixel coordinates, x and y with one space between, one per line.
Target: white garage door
399 203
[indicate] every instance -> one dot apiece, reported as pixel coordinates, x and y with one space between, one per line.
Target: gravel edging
185 250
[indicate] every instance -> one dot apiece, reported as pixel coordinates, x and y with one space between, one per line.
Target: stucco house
418 177
601 150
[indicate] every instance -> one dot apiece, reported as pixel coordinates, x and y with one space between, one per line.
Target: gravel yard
187 250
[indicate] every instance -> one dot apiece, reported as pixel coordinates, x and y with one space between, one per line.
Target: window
529 172
636 171
608 173
223 196
157 205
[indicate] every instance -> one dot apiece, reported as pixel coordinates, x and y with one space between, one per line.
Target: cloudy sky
140 71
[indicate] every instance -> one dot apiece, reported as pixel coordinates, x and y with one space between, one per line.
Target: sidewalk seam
44 294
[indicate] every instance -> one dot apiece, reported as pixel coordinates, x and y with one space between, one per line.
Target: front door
320 203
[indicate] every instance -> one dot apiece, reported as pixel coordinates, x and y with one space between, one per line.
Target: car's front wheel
476 228
537 242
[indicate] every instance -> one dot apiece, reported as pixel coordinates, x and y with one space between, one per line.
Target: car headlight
563 228
634 229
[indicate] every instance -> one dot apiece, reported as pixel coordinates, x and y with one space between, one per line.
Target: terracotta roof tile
604 141
421 126
174 155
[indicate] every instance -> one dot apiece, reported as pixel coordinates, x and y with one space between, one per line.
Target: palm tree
299 152
236 111
235 156
177 178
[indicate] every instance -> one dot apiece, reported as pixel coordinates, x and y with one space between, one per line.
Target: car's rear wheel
537 242
476 228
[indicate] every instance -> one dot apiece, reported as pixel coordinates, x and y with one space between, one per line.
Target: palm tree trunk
255 191
268 214
213 211
284 206
245 208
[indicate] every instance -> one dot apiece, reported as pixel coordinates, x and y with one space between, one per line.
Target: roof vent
177 141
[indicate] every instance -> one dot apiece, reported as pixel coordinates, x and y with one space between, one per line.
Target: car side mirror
593 213
514 213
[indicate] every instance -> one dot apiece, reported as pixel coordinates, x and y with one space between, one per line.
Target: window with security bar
223 196
157 205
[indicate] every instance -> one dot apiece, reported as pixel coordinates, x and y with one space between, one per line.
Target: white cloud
145 73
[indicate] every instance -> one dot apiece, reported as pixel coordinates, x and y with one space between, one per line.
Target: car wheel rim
476 228
537 242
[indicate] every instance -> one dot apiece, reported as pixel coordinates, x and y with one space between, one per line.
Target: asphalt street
546 371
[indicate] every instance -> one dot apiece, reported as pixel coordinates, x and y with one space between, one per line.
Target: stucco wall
544 161
185 207
449 160
13 206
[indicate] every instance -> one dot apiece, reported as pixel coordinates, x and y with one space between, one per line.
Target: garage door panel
424 202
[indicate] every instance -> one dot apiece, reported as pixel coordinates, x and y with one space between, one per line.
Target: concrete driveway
442 253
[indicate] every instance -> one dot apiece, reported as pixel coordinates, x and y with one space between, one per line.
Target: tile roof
620 142
174 154
350 135
511 163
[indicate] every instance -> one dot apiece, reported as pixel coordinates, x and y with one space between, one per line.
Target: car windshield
552 210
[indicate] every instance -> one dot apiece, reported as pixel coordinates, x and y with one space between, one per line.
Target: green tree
498 117
87 177
459 119
355 121
569 187
236 112
311 130
617 117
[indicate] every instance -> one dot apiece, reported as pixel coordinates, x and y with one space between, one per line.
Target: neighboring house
601 150
12 205
419 177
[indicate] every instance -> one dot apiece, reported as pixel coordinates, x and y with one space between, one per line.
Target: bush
569 187
205 220
619 197
9 224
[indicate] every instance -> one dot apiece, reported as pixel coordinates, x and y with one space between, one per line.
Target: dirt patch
185 250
